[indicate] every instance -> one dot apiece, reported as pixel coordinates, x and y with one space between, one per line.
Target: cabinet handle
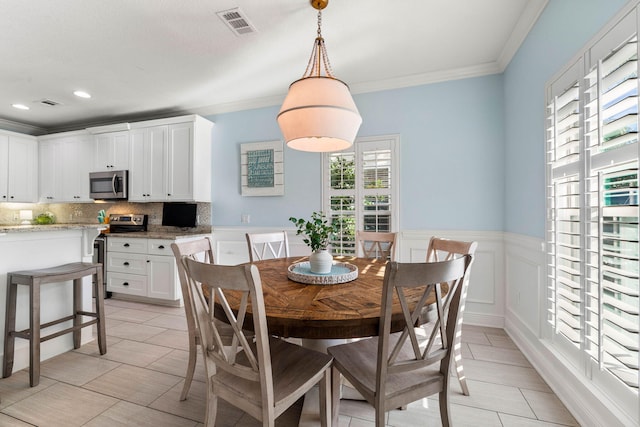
11 197
169 194
125 263
126 245
125 284
148 260
161 247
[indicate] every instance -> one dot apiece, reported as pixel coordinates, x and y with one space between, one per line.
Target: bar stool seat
34 279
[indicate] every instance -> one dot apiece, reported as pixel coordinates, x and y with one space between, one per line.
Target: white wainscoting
525 322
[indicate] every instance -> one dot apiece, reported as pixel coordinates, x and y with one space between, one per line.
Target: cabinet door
112 151
49 172
147 164
137 170
180 162
4 167
23 169
75 156
162 278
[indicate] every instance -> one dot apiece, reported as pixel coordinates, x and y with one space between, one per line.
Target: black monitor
179 214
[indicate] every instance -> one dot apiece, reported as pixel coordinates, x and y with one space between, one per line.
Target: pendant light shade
318 113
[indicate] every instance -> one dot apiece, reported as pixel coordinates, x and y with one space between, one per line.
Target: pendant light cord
319 57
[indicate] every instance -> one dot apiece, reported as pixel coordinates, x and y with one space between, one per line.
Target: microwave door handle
113 183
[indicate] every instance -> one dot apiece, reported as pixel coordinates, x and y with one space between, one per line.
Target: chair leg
212 408
191 367
34 333
325 386
335 395
9 328
461 377
445 413
457 358
380 415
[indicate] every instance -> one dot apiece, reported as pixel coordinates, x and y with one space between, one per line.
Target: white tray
341 272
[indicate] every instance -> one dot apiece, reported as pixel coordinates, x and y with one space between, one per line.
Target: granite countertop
49 227
153 233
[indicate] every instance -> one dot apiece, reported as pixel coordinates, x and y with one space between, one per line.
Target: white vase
320 261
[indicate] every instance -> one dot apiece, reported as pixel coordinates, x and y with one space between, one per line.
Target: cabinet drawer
127 263
131 284
160 247
124 244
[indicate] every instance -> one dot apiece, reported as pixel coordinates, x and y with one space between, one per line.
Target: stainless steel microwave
111 185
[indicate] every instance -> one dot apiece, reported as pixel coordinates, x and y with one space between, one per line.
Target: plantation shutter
592 207
612 212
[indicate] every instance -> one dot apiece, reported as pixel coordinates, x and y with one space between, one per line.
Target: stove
127 223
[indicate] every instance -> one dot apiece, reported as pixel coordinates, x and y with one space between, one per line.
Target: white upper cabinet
170 160
111 150
18 168
65 162
147 160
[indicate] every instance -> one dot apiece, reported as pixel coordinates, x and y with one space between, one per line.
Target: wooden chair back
262 376
375 244
267 245
441 250
403 353
199 250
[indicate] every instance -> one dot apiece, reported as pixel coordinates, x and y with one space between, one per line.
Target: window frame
360 145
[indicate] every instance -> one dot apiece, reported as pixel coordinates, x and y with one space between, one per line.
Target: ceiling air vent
49 102
237 21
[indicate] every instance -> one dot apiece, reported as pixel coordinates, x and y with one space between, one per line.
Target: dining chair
201 250
267 245
392 370
376 244
264 376
440 249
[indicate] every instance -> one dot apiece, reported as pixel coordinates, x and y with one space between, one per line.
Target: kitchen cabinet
170 160
142 267
18 168
147 156
65 161
111 151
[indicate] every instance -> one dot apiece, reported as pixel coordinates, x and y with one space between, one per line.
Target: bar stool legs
34 279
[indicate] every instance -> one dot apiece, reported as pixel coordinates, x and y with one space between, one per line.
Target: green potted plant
318 232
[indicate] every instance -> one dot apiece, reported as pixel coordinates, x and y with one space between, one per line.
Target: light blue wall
471 151
451 158
562 30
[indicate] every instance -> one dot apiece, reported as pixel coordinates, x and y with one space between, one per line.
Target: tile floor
138 383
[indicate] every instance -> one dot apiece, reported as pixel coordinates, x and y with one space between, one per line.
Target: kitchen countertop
48 227
156 233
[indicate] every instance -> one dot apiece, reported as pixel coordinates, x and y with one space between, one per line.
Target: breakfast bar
29 247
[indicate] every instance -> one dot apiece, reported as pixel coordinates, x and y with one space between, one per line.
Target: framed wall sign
262 168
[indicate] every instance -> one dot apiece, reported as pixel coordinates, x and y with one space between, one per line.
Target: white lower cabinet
142 267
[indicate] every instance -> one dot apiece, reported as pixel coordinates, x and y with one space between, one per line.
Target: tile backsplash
87 213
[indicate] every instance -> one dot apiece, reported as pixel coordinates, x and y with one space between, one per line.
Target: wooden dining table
328 311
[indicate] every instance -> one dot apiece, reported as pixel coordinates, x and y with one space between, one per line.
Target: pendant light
318 113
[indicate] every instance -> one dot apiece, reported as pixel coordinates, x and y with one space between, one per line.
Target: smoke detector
237 21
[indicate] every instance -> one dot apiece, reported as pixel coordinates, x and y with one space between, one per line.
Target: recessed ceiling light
20 106
81 94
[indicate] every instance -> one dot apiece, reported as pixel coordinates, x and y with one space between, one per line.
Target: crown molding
525 23
24 128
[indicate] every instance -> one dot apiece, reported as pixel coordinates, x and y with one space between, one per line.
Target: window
361 190
592 204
